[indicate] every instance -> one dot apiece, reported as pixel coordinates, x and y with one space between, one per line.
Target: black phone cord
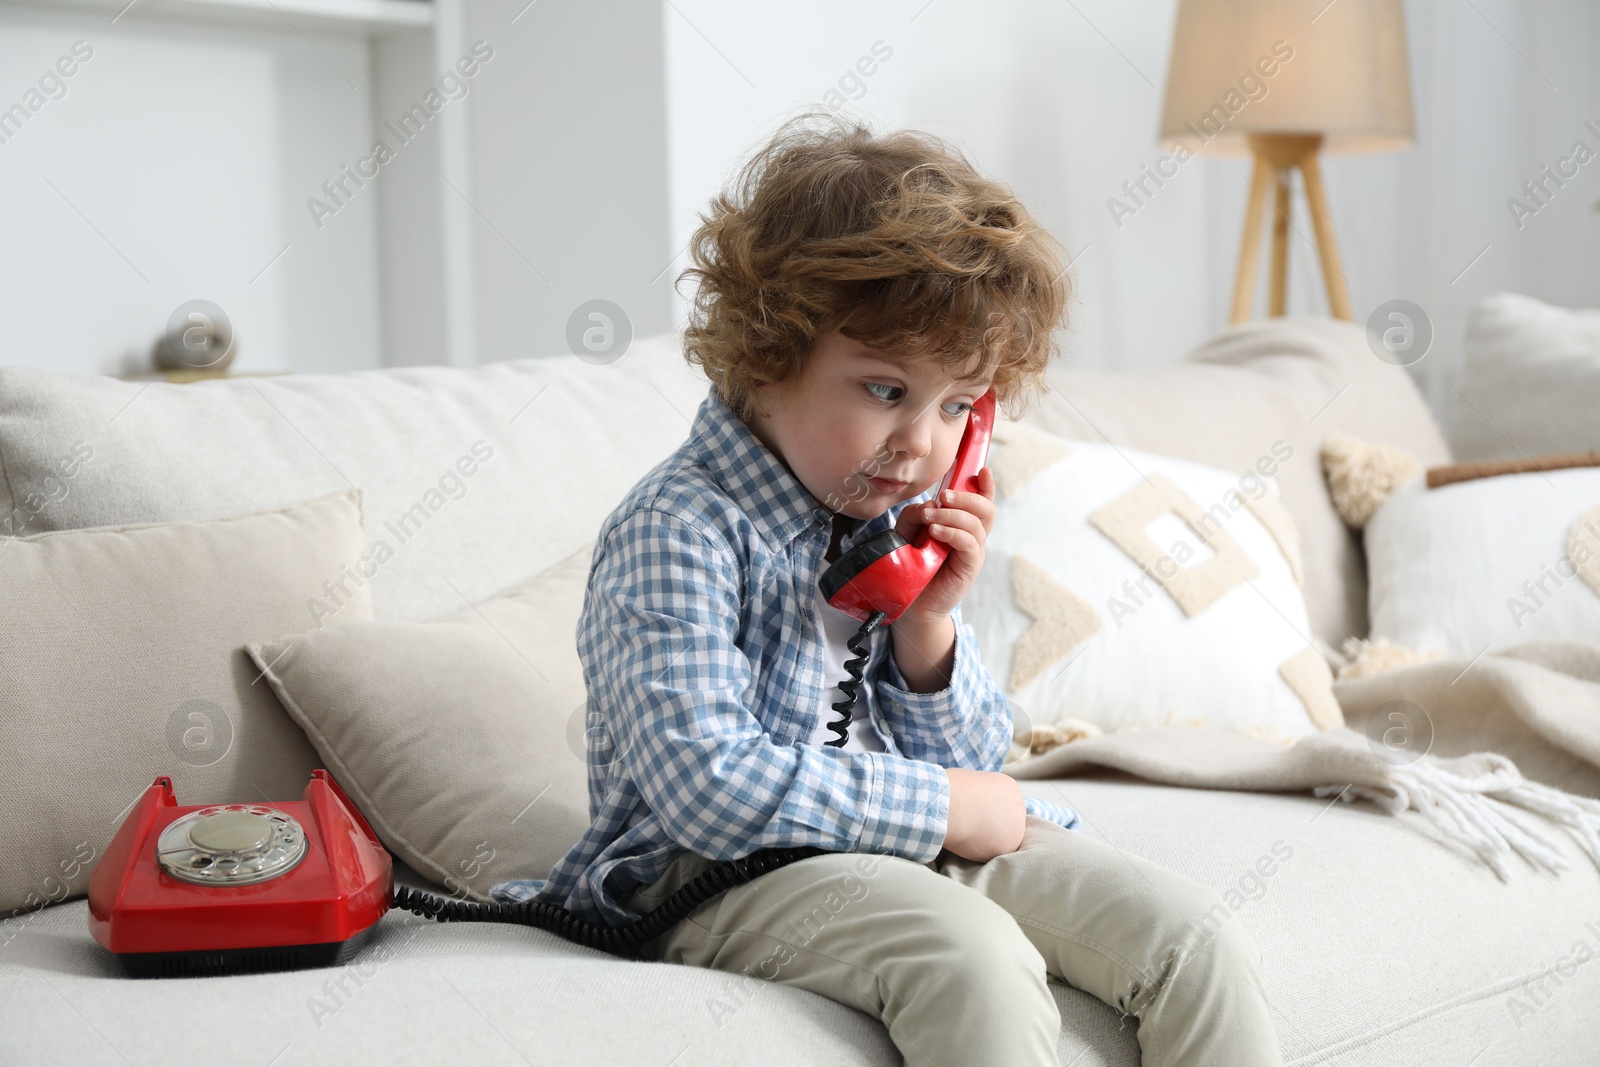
628 939
851 686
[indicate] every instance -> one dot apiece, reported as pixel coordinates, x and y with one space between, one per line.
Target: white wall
1063 101
1028 90
569 153
1502 89
184 153
176 167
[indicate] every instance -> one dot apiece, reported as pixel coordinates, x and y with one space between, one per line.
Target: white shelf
427 220
360 16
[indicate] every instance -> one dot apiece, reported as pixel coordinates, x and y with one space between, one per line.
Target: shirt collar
759 482
748 472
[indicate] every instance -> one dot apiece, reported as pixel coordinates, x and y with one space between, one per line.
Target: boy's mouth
884 485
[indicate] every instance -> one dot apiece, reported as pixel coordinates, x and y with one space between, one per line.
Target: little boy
857 295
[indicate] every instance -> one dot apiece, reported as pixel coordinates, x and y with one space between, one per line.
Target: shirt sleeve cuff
1056 813
910 813
900 688
932 718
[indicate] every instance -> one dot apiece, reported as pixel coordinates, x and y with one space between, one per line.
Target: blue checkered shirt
706 673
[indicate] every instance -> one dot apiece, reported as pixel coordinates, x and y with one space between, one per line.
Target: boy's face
863 429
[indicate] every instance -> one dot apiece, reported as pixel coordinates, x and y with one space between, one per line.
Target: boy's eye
961 406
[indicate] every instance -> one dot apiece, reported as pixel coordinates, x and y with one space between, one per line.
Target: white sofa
1381 944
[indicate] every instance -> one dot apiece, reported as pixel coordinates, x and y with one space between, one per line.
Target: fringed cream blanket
1514 752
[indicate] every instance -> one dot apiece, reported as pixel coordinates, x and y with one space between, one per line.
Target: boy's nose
911 442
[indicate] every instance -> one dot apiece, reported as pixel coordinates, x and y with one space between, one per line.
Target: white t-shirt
839 627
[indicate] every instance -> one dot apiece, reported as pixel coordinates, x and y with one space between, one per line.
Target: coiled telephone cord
851 686
627 940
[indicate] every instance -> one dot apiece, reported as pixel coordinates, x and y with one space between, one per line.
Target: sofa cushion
461 739
1530 380
122 661
1381 944
1249 394
471 478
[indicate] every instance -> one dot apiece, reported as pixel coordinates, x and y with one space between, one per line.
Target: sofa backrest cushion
472 479
477 478
1530 380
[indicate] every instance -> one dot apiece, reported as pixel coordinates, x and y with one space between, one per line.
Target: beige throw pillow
122 661
461 739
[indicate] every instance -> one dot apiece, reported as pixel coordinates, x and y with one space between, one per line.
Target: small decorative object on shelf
199 336
199 344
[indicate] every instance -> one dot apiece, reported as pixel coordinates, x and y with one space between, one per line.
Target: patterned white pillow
1129 590
1487 563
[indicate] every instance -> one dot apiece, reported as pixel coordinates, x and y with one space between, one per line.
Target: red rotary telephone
215 889
223 888
886 573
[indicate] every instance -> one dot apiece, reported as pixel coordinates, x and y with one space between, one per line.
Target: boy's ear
763 397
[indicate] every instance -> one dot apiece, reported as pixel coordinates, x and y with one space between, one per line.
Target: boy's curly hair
896 240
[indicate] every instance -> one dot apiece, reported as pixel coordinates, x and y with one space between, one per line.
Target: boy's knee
1189 930
1200 930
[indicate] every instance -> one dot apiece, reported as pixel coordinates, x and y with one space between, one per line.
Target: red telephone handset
886 573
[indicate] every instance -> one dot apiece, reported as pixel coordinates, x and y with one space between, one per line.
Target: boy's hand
962 521
988 814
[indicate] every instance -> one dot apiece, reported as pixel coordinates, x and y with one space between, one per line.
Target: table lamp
1286 82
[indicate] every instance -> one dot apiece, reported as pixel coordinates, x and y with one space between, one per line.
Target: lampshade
1262 66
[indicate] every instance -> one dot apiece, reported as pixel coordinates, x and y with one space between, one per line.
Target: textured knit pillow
1124 590
461 738
120 660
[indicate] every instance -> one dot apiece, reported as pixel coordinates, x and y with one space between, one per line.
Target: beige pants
953 955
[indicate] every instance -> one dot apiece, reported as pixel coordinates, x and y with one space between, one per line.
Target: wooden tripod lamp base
1276 154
